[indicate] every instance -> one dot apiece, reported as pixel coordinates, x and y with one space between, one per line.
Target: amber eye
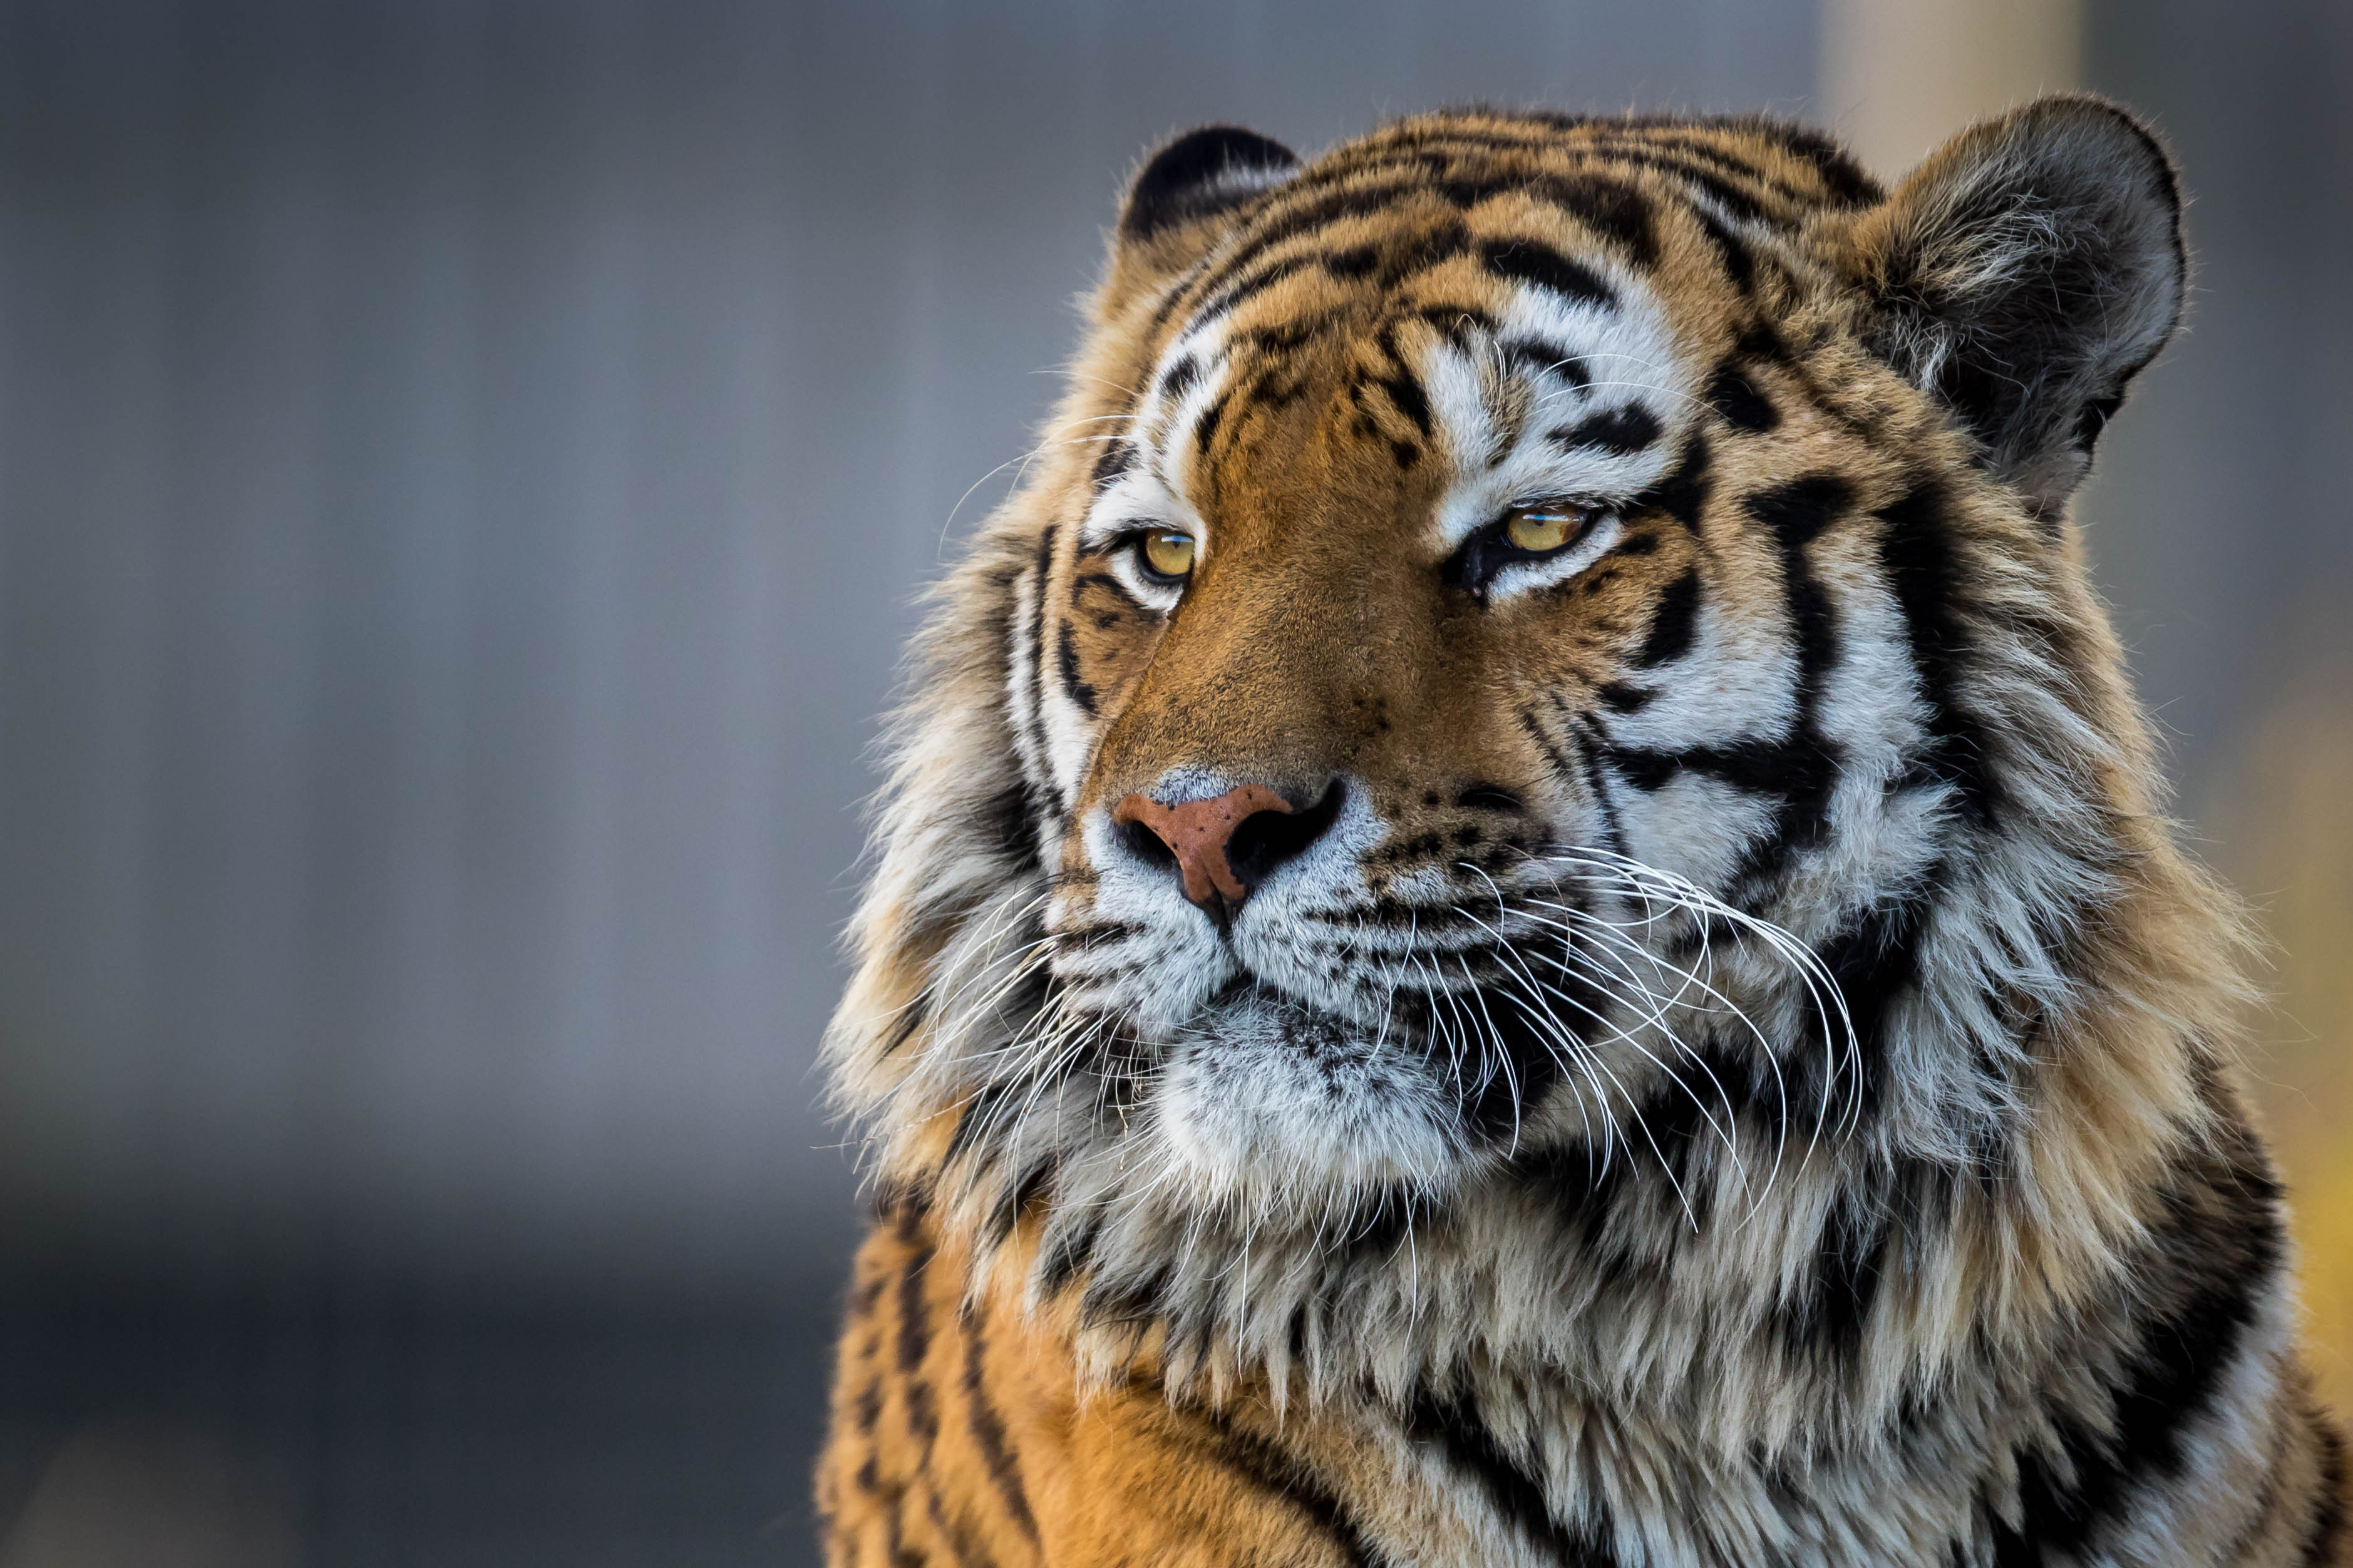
1540 530
1168 554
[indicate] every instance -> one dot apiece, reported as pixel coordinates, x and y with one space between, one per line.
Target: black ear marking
1200 175
2024 274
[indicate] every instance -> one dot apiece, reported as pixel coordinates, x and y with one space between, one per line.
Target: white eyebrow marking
1153 487
1621 360
1204 344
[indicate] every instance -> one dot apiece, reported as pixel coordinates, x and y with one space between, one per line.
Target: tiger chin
1522 915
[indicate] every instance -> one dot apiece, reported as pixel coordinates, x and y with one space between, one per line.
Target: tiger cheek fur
1521 916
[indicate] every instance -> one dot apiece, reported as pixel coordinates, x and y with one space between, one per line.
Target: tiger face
1521 626
1454 566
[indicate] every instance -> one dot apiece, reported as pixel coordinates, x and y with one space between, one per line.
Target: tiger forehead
1423 190
1458 229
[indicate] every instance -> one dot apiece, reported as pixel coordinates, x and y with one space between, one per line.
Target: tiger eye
1168 553
1537 530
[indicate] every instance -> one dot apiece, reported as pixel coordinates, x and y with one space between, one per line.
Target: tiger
1522 913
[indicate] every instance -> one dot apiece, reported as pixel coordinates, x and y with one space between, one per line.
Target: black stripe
1105 582
1799 509
1403 256
1715 156
1827 1318
989 1434
1801 769
2222 1240
1682 493
1742 204
979 1115
1611 208
1455 322
1534 356
1309 214
1671 628
1067 657
1796 512
1497 1103
1755 767
915 1344
1485 797
1554 756
1070 1252
1736 401
1008 822
1739 186
1454 1429
2327 1532
1844 179
1282 337
1118 456
1356 261
1875 963
1534 262
1249 288
1591 742
1582 1186
1205 429
1739 263
1033 720
1179 378
1759 341
1916 551
1622 431
1015 1198
1271 1470
1619 212
1405 394
910 1018
1624 697
1404 391
1846 183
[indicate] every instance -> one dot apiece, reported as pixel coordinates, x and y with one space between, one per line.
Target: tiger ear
2024 274
1177 203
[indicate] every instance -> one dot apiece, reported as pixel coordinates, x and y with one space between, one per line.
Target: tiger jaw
1324 1045
1266 1102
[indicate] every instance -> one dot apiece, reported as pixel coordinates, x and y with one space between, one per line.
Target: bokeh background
464 469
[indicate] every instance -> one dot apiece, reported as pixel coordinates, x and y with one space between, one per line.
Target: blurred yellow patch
2285 834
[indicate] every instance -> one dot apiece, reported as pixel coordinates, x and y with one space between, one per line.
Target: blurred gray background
464 469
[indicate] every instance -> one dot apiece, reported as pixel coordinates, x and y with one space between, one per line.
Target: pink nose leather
1197 833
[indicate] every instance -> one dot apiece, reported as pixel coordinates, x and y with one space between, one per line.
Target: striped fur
1739 1072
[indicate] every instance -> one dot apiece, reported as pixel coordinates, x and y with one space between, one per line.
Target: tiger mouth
1270 1095
1480 1071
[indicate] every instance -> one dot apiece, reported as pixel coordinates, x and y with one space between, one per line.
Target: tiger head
1535 650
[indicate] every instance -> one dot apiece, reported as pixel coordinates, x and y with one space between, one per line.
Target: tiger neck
1805 1313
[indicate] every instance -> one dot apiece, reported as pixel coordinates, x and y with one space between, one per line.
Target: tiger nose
1226 846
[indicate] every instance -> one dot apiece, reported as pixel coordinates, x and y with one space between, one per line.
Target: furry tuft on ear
1202 174
2023 274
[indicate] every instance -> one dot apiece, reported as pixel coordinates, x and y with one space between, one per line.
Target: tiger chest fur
1521 916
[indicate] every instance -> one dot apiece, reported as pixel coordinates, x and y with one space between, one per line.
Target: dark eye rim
1132 543
1483 557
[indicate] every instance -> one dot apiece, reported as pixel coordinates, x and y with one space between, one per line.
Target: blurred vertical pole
1900 76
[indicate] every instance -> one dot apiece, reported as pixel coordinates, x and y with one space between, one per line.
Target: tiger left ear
2024 274
1178 203
1202 175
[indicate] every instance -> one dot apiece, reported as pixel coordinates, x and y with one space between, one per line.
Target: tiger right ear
2024 274
1174 204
